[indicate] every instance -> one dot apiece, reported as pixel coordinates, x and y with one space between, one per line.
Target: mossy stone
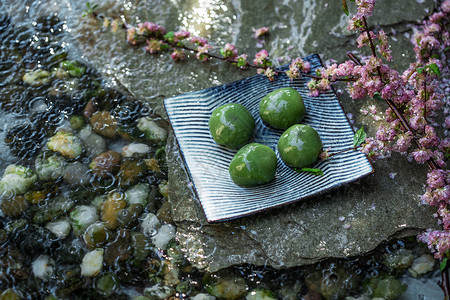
231 125
299 146
254 164
282 108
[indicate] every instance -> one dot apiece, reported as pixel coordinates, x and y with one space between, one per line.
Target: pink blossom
345 69
375 149
438 242
445 144
444 214
436 17
106 23
270 73
324 155
313 88
355 23
114 26
261 58
403 142
260 32
363 39
383 46
151 29
297 67
154 46
229 51
428 199
439 158
181 35
199 41
364 111
177 55
430 139
442 194
365 7
330 72
385 134
436 178
422 155
202 50
446 6
373 63
131 35
417 122
432 28
324 84
433 104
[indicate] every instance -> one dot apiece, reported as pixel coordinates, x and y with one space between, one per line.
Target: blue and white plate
207 162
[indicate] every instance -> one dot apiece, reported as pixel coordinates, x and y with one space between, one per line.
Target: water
38 263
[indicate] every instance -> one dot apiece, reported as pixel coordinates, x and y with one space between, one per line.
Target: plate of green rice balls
253 144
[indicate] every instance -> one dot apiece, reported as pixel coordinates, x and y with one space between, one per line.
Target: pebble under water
83 210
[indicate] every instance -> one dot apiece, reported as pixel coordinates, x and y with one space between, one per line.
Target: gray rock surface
345 222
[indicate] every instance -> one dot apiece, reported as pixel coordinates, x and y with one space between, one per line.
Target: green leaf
435 55
420 70
169 36
90 8
359 138
377 96
317 172
443 264
345 7
434 68
241 62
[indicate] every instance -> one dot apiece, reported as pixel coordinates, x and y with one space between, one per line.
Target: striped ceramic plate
207 162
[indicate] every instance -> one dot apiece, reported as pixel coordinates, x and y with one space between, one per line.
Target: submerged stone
113 205
13 206
261 294
104 124
94 144
225 284
385 288
66 144
106 164
422 265
92 263
16 180
37 77
49 166
151 130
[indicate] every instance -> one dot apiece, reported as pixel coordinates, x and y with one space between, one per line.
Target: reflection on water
83 198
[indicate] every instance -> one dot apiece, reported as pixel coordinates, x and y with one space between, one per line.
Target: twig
175 45
372 46
445 283
391 104
354 58
425 91
342 151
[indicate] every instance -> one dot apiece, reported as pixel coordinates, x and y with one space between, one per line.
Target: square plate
207 162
